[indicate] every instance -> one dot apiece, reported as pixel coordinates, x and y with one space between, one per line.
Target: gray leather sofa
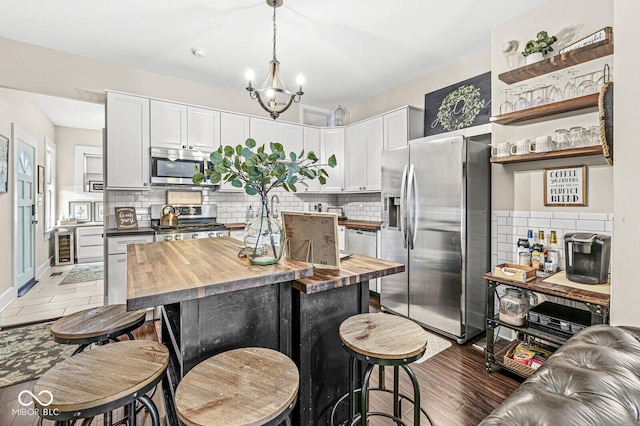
593 379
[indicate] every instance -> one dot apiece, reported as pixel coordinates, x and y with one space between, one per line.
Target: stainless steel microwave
177 167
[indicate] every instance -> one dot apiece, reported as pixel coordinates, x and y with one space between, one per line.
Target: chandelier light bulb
300 80
270 93
250 75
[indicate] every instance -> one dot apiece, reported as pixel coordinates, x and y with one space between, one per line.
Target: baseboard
42 269
7 297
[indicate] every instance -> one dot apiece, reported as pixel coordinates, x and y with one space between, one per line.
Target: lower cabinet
116 285
364 242
89 244
237 234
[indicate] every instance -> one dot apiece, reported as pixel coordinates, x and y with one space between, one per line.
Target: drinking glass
507 106
524 98
594 135
555 94
587 86
562 139
576 137
570 90
539 95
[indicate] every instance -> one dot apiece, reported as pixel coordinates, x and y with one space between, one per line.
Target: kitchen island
212 301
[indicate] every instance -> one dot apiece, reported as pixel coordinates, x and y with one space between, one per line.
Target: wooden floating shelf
559 62
574 104
565 153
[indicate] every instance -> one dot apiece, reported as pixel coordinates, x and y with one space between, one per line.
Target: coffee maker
587 257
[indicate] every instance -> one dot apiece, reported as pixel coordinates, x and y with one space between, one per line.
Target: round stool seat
102 379
383 337
246 386
96 324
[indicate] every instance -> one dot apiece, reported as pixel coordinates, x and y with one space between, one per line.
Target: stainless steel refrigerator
437 221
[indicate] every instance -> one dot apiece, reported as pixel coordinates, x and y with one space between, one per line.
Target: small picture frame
126 218
98 211
40 179
80 210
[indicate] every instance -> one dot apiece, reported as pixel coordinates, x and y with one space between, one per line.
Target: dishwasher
364 242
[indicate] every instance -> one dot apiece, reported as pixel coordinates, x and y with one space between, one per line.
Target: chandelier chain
274 29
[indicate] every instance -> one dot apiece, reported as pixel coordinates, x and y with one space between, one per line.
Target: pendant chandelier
273 95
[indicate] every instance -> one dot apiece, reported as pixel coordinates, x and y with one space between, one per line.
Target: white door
263 131
168 125
24 148
373 136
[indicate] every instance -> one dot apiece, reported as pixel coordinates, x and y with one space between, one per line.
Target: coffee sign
565 186
126 218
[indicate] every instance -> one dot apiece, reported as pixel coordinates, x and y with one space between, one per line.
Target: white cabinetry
237 234
363 152
179 126
342 237
312 144
127 144
234 130
402 125
332 143
117 266
89 244
263 131
291 136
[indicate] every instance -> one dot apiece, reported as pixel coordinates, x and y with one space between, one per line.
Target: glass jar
264 238
562 139
514 307
576 135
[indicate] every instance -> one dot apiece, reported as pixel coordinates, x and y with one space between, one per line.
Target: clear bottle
522 252
531 242
537 259
554 251
250 213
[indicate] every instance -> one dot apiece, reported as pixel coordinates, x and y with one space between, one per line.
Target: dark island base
302 326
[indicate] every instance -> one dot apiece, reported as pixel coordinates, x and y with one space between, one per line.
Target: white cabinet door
342 237
116 279
312 144
168 125
291 136
396 129
263 131
234 130
89 244
127 144
373 135
332 143
203 129
356 156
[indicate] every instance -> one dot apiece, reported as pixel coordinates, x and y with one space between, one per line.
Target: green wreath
470 97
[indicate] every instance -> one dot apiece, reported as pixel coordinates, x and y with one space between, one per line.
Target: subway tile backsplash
508 226
233 206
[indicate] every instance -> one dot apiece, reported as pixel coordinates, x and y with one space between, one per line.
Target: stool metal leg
352 387
364 395
396 393
132 414
151 408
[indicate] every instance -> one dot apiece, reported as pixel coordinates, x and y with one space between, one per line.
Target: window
50 160
315 116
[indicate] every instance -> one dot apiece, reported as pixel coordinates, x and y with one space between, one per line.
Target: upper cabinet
234 130
291 136
364 144
263 131
402 125
312 144
127 144
179 126
332 143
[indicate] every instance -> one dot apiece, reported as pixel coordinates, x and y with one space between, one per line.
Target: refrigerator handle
412 214
403 206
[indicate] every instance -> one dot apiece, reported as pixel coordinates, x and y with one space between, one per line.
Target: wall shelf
565 153
574 104
559 62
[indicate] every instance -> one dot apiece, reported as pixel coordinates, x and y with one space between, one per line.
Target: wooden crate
512 272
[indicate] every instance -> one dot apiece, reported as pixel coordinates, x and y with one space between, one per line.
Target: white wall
625 293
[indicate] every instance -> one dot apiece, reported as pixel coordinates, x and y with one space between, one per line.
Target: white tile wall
232 207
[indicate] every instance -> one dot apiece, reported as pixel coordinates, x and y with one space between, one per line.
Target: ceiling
348 51
71 113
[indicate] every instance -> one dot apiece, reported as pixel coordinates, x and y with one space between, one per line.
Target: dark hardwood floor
456 390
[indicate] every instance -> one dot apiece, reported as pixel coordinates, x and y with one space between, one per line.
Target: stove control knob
168 238
177 237
219 234
195 236
211 235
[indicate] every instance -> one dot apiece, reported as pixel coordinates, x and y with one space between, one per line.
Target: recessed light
199 52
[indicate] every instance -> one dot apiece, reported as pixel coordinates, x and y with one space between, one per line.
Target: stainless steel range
193 222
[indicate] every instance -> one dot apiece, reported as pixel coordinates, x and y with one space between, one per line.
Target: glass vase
264 238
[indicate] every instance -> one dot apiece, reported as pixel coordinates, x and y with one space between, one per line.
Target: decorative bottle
554 251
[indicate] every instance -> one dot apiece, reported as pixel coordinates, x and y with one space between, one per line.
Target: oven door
176 167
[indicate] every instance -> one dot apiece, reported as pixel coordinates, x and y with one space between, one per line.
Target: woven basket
507 354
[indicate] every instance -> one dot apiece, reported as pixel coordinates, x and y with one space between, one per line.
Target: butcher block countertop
362 224
175 271
353 270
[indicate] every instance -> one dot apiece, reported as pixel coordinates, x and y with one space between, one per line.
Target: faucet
273 211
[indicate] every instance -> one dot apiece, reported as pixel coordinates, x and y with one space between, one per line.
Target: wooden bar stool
96 325
383 340
101 380
246 386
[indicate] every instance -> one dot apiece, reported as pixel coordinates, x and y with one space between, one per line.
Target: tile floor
49 300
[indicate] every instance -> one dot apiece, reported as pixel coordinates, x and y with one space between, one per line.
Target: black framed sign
461 105
565 186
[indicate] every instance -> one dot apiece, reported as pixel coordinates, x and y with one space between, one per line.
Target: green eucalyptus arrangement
541 44
258 171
